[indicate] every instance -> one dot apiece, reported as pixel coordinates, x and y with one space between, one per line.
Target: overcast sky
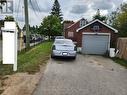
71 9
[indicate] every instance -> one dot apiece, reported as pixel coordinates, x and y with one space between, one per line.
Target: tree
9 18
35 30
24 27
51 26
112 17
99 16
56 10
118 19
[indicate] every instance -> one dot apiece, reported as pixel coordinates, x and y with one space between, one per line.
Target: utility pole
27 23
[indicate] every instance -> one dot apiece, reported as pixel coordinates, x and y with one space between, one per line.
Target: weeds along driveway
87 75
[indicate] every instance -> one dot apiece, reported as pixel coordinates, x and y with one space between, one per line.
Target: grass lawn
30 60
121 62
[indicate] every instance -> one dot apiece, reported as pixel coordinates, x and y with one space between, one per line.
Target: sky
71 9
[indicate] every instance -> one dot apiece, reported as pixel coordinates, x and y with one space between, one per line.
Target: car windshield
63 42
60 37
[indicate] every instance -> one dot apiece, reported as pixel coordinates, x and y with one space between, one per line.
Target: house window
82 23
70 34
96 28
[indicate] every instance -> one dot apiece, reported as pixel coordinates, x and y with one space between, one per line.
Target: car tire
74 57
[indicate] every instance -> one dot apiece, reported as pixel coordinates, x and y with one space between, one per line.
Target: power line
18 9
23 13
33 8
37 5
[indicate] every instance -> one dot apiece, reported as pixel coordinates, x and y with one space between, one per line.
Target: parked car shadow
64 59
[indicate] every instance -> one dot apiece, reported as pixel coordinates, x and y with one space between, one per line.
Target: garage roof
97 20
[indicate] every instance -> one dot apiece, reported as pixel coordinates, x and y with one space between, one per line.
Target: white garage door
95 43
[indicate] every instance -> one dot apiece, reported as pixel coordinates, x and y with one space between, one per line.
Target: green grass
29 60
120 61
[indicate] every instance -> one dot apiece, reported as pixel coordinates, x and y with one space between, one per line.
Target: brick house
94 37
70 31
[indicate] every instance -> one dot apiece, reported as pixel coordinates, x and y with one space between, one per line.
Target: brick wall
103 29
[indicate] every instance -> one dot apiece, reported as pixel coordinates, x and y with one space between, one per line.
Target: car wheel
74 57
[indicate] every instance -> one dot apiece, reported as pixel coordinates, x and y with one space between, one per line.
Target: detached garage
95 43
96 37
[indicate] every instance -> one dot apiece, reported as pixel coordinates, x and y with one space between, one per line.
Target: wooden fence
122 47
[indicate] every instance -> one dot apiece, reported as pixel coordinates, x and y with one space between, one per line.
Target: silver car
63 48
59 37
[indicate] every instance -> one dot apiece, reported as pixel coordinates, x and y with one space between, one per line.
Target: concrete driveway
87 75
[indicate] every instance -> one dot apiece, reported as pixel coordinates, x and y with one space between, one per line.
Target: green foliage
68 21
56 10
99 16
9 18
33 29
30 60
118 19
120 61
51 26
24 27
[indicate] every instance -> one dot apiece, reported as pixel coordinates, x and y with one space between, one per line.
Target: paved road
87 75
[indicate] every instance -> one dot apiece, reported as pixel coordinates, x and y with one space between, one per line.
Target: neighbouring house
67 23
94 37
70 31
